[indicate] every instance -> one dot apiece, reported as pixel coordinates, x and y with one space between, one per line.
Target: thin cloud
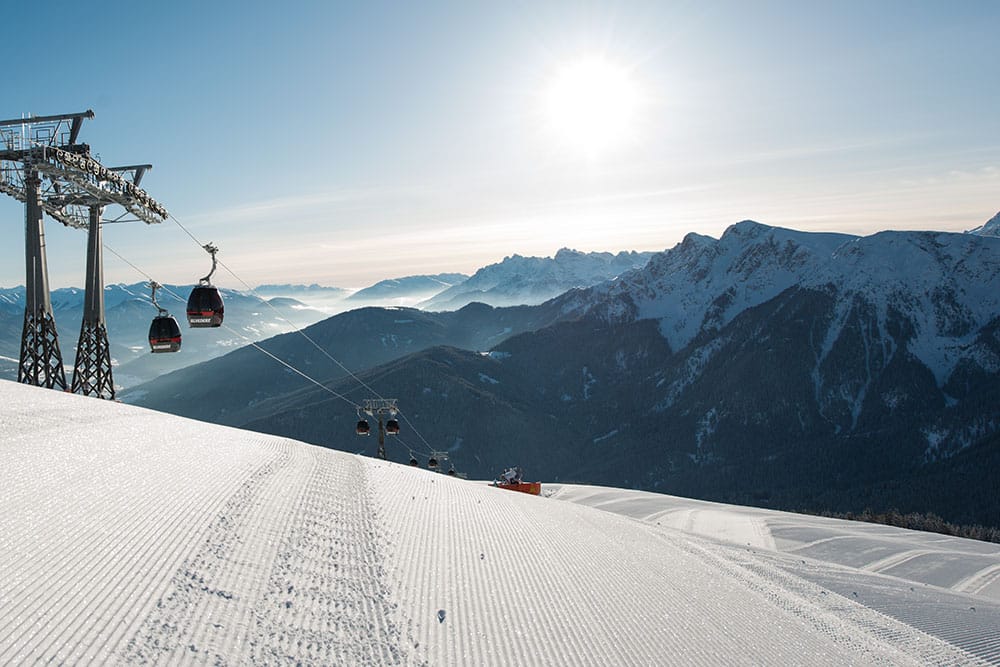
270 209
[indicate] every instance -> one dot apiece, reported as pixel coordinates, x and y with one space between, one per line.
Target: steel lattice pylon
92 374
75 190
41 362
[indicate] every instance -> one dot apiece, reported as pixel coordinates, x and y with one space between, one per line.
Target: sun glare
591 104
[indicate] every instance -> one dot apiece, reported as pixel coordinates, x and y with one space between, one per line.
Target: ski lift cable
282 317
287 365
301 332
414 429
142 273
251 342
402 443
296 370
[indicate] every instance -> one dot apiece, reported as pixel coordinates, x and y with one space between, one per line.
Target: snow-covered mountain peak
747 229
946 285
704 282
530 280
914 261
990 228
696 239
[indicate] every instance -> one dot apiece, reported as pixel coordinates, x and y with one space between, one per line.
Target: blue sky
345 143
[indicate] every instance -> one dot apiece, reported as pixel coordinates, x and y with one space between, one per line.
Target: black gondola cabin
205 307
164 334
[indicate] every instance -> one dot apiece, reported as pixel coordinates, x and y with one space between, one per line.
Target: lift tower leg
381 439
92 372
41 363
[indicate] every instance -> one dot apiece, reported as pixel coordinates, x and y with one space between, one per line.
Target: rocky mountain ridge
519 280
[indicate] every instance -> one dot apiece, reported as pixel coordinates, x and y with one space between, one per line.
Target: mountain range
514 281
406 291
768 366
128 312
521 280
272 308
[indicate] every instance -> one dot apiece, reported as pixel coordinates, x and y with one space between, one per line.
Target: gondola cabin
363 428
164 334
392 427
205 307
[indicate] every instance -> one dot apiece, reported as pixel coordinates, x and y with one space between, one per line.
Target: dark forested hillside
229 389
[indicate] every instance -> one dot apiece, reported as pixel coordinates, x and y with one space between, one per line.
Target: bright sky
343 143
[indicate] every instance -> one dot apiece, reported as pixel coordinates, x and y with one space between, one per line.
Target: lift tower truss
43 166
92 374
379 407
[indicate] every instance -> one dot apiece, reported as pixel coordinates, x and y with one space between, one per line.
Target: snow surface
132 536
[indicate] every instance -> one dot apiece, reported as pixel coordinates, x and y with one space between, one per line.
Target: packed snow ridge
135 537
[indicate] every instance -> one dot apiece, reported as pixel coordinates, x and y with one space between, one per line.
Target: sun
591 103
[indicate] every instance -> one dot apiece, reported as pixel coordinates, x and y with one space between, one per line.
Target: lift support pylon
41 362
92 374
75 190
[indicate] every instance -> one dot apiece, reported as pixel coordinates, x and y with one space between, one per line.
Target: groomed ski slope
129 536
